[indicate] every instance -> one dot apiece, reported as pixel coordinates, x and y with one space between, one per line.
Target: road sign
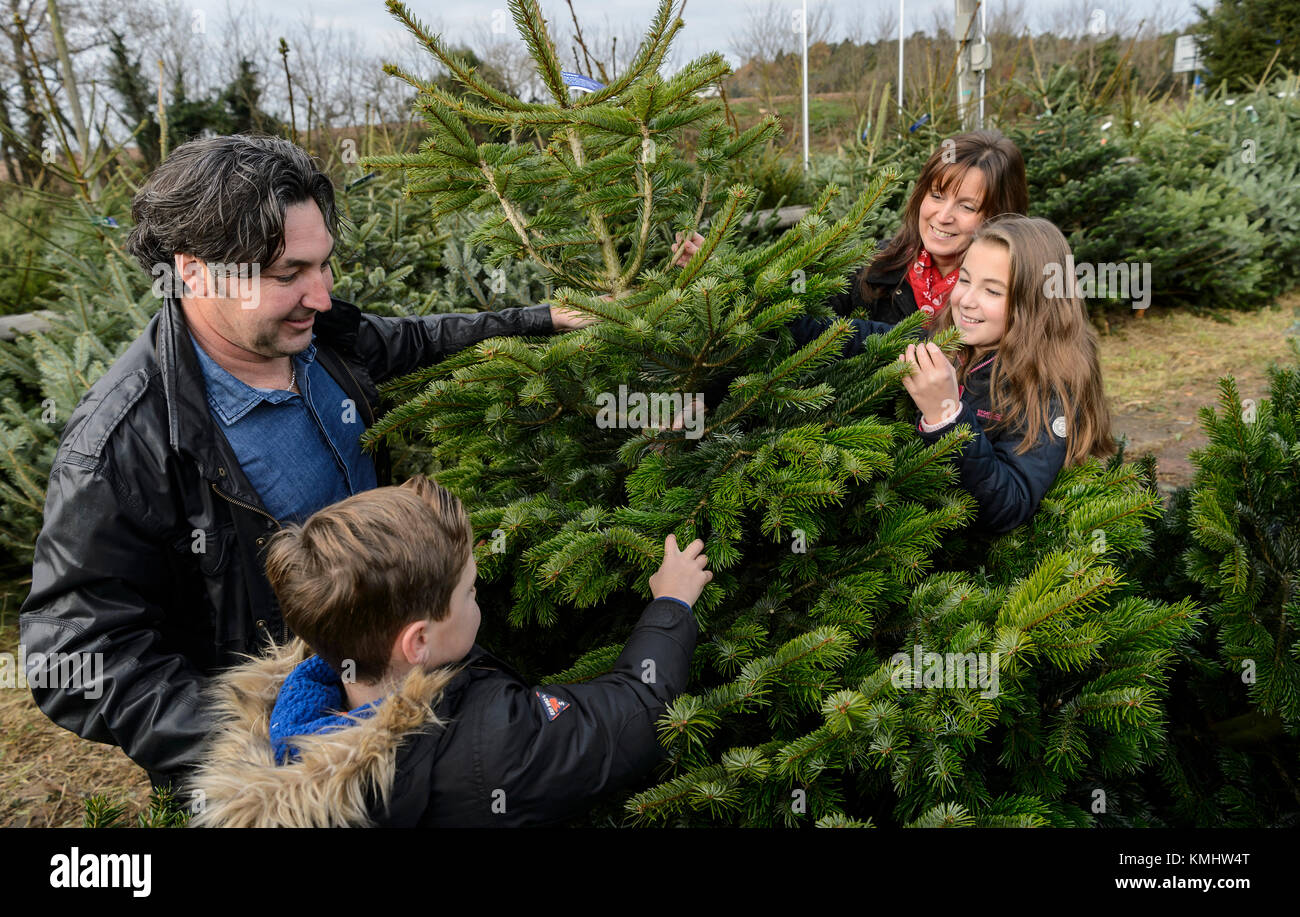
1187 54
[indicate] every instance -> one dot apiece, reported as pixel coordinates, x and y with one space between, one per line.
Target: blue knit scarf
307 705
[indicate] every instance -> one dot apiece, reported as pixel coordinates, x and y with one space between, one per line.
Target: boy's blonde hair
355 573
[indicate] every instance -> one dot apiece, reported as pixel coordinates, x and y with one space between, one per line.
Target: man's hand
932 382
568 319
685 251
682 575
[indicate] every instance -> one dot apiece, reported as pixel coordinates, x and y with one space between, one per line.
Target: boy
438 731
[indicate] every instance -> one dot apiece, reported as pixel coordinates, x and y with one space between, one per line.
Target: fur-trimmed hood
339 775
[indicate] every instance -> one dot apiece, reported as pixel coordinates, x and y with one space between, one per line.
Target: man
240 407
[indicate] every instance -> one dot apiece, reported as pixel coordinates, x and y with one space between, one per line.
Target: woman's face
948 219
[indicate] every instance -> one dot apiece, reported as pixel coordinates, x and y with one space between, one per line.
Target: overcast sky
710 24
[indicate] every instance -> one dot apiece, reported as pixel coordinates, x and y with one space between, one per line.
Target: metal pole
803 28
900 65
984 40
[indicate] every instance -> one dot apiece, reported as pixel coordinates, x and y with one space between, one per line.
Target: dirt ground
1158 369
46 772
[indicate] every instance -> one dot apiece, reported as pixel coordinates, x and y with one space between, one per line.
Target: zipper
260 622
221 493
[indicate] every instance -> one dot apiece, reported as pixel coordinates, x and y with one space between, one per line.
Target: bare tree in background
503 51
870 69
769 44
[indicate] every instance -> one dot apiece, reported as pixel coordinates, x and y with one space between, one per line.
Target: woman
969 178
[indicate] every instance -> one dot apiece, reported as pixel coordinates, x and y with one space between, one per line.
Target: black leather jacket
151 549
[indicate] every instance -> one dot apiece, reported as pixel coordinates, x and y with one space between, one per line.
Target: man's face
273 315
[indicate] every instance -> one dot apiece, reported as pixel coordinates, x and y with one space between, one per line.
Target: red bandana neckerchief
929 286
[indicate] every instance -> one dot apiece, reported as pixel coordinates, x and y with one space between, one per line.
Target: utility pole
900 66
973 56
803 31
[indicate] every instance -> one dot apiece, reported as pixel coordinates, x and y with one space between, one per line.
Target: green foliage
825 518
593 195
1230 542
1076 706
1241 38
1245 538
1262 136
1131 200
101 302
164 810
26 271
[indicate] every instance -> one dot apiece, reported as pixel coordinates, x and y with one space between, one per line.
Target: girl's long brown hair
1005 191
1049 348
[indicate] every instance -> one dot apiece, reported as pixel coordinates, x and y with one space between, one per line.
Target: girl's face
979 300
948 219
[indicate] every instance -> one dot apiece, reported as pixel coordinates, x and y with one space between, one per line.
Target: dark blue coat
1008 487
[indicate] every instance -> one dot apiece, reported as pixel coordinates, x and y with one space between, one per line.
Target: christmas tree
1233 543
823 689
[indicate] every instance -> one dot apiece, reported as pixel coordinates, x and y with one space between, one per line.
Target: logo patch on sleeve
552 705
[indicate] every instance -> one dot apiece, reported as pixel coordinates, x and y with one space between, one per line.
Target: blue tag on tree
578 81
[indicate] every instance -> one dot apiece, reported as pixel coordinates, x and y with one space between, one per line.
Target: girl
1027 380
968 179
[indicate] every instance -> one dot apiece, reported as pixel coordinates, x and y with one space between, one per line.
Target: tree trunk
74 99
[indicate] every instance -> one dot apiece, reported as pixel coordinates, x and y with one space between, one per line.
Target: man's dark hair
222 199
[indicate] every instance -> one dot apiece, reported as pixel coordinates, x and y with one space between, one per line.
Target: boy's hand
682 575
685 251
932 382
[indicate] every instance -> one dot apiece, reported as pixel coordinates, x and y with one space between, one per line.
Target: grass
45 771
1190 350
1161 368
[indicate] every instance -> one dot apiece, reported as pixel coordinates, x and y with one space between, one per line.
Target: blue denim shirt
300 452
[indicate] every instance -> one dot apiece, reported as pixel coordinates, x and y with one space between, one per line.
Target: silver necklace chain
293 374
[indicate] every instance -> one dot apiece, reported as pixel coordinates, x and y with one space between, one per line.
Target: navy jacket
509 757
1008 487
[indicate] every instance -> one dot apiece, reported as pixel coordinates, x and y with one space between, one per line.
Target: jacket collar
189 426
338 776
892 278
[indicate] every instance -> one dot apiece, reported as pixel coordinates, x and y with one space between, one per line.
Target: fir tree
821 510
1233 543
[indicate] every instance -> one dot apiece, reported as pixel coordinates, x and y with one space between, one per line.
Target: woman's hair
356 572
1005 191
1049 348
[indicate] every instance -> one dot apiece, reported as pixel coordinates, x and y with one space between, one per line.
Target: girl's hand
932 382
685 251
